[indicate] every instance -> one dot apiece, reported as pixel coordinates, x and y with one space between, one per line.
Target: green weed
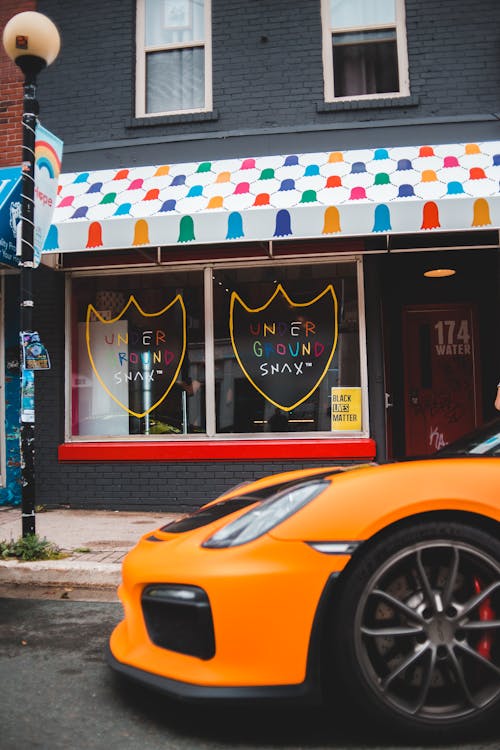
29 548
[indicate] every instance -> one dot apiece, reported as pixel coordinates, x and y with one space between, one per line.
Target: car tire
410 639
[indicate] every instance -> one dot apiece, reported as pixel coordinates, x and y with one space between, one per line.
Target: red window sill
218 450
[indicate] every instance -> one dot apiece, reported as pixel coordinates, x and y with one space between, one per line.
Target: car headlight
265 516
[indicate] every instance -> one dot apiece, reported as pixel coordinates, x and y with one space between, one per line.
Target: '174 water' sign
285 348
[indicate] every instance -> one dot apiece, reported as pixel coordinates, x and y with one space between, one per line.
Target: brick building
234 281
11 93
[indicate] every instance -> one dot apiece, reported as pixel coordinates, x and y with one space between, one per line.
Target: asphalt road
57 693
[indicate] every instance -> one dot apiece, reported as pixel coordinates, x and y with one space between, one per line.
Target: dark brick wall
160 487
49 385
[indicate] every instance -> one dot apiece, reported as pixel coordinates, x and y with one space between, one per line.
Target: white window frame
142 50
400 27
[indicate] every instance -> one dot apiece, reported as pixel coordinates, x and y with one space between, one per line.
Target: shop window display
138 355
284 339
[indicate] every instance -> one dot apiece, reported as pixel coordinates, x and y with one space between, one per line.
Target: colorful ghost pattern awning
329 194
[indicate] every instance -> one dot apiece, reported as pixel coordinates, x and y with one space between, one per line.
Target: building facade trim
218 450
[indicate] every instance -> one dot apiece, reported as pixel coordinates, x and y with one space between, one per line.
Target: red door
441 375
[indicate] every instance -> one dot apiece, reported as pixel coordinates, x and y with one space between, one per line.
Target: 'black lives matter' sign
283 347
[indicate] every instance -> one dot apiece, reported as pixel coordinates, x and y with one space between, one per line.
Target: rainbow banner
48 155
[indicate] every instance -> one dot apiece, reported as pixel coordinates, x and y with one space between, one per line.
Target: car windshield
485 441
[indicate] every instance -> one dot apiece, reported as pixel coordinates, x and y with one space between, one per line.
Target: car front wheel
416 633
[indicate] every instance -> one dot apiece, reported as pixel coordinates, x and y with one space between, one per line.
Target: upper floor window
364 49
174 69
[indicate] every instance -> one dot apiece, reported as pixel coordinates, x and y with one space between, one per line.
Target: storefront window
285 342
284 337
138 361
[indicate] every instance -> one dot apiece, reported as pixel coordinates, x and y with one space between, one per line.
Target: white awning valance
397 190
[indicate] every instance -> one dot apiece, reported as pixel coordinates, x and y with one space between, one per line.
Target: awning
10 213
354 193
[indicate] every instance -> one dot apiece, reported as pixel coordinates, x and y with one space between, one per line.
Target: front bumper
307 692
264 601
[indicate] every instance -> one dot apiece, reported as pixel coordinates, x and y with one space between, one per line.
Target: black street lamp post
32 41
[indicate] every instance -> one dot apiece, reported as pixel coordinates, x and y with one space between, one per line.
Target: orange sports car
376 584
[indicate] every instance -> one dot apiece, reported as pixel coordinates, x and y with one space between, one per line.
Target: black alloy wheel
417 633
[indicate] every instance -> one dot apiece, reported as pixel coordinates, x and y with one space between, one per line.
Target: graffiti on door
440 375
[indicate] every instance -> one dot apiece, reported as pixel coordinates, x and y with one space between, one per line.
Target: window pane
370 68
268 358
173 22
175 80
355 13
138 355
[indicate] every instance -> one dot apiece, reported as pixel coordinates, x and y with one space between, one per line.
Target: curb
60 573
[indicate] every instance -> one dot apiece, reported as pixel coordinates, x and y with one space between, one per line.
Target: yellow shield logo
137 356
285 348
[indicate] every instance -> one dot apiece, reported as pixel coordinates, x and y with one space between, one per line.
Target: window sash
175 77
357 79
157 40
362 68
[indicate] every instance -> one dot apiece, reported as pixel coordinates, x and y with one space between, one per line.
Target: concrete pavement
95 542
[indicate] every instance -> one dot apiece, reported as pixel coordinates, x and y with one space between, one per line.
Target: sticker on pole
28 397
35 355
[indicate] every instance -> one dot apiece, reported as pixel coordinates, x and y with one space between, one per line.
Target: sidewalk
95 541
